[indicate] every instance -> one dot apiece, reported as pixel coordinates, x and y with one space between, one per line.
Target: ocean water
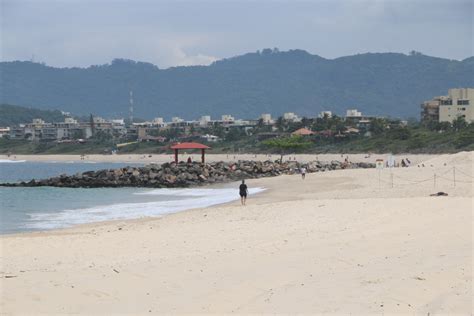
44 208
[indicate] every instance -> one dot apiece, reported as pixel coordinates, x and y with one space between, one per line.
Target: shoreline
110 223
96 224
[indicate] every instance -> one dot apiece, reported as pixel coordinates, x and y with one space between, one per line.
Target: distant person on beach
303 172
243 191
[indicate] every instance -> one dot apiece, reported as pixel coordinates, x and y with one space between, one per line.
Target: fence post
391 178
379 178
434 180
454 176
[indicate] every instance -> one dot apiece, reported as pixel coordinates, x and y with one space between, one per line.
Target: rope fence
457 176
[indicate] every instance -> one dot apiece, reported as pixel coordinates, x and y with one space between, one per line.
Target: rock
183 174
118 172
170 178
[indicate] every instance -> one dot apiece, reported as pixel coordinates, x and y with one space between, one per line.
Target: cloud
173 33
183 59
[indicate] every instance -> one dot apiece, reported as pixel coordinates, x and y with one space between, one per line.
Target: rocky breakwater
171 175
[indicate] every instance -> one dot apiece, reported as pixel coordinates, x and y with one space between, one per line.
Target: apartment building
267 118
351 113
458 103
430 110
292 117
39 130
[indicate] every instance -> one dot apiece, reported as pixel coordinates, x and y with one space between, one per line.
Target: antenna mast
131 107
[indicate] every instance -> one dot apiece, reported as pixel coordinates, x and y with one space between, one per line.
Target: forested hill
245 86
11 115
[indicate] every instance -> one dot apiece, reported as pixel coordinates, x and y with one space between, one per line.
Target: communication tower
131 107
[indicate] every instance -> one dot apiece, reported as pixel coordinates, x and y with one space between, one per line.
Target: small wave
11 161
198 198
196 192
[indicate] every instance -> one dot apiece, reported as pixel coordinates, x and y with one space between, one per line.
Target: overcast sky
170 33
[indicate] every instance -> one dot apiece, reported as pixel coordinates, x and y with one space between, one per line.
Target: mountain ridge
267 81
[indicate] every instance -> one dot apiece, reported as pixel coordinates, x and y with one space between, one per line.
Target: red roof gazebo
189 146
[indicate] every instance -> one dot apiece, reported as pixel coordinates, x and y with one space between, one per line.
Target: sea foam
189 198
11 161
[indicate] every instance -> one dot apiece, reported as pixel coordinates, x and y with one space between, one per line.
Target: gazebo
189 146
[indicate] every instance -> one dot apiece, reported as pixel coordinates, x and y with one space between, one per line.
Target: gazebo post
178 146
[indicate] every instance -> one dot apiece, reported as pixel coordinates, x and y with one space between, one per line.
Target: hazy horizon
181 33
224 58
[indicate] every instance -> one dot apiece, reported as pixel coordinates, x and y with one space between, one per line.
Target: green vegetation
11 115
410 139
245 86
405 140
286 145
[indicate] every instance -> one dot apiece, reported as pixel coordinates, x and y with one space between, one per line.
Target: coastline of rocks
172 175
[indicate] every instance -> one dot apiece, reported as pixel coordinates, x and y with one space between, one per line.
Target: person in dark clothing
243 191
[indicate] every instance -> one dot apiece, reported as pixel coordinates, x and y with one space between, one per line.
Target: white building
118 122
322 114
158 121
266 118
227 118
38 122
458 103
204 120
353 113
210 138
4 131
70 120
290 116
98 120
176 119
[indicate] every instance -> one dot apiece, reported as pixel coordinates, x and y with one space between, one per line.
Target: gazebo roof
190 146
303 132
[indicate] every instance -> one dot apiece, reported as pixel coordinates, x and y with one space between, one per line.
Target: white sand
337 242
154 158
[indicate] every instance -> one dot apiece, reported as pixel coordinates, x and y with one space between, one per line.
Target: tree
91 122
321 123
286 144
77 134
459 123
170 133
235 134
377 126
102 137
280 123
438 126
261 127
217 130
401 133
306 121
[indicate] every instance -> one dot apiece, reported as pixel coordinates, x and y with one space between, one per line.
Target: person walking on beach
303 172
243 191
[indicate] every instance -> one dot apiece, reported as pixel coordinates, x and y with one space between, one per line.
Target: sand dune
349 241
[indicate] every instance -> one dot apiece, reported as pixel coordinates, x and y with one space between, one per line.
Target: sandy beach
154 158
360 241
